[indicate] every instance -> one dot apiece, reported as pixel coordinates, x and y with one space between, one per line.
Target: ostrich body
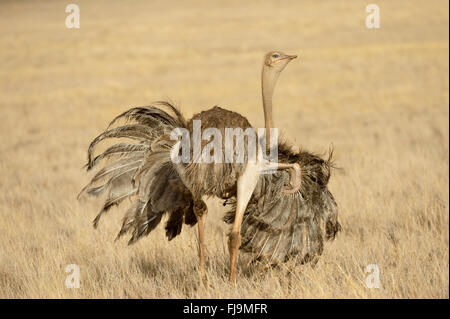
288 213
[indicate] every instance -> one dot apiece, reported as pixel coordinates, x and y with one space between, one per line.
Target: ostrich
275 217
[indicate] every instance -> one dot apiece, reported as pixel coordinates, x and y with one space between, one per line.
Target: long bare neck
269 78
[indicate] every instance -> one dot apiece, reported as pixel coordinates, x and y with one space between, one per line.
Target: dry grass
379 96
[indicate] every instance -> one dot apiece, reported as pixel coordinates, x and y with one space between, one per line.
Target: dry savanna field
378 96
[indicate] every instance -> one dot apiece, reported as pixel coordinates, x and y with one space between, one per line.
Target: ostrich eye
275 56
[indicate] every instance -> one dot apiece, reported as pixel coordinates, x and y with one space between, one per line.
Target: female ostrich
274 216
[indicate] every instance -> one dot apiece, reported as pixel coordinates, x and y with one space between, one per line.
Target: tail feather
137 132
118 150
115 201
174 224
141 171
153 117
114 171
145 224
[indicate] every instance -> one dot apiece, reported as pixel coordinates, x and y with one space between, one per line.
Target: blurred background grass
379 96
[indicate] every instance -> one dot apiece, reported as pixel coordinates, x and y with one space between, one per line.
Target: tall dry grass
379 96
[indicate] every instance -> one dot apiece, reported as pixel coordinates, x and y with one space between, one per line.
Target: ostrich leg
295 172
200 211
245 186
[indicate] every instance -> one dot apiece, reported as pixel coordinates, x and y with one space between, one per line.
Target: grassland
379 96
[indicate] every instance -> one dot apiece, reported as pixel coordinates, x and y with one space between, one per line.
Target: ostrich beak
288 57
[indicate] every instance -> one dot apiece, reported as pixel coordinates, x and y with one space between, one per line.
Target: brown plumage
276 223
142 171
277 226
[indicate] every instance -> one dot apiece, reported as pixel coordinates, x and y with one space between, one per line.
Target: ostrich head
276 61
